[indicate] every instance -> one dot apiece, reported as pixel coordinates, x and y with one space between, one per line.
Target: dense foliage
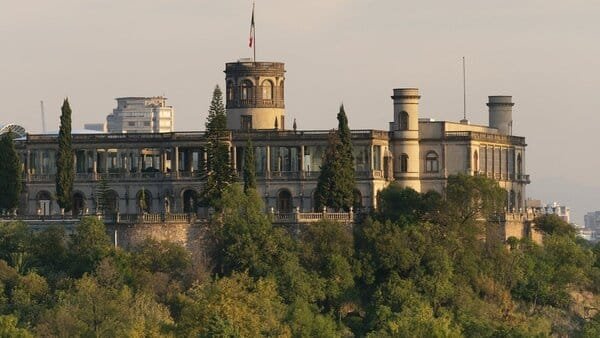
336 183
65 171
418 266
10 174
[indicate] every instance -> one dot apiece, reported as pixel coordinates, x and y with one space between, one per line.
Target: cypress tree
219 171
335 187
346 180
249 167
64 160
10 173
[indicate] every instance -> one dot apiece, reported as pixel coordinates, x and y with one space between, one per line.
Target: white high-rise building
141 115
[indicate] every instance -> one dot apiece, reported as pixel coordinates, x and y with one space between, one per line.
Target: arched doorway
111 202
78 203
284 201
190 199
143 201
44 200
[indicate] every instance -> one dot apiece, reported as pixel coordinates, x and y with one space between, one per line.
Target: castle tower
255 95
405 137
500 113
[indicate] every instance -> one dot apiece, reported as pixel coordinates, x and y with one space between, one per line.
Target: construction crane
43 118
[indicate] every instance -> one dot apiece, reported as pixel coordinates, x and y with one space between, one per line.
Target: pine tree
335 187
219 171
249 167
64 160
10 174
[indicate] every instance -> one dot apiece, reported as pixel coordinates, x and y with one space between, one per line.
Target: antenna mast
464 90
464 69
43 117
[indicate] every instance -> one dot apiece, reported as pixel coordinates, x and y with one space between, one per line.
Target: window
247 93
431 162
230 91
519 165
267 90
403 163
131 124
284 201
146 123
246 122
403 119
476 161
377 157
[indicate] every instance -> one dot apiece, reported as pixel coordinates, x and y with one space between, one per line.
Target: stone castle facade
416 152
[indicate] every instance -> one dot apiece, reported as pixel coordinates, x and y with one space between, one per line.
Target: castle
415 152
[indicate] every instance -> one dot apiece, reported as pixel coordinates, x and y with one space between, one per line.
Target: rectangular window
377 157
246 122
313 157
146 123
361 158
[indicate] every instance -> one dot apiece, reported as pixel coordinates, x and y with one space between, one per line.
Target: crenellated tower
255 95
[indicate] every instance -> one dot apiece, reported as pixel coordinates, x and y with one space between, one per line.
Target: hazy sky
543 52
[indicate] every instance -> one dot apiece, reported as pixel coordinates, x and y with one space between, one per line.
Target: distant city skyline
542 53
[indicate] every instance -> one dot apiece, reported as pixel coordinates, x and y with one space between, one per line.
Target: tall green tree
64 160
102 196
219 170
10 173
249 167
335 187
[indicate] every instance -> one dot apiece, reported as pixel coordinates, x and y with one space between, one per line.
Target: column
106 160
28 163
95 162
371 154
163 162
175 160
301 161
268 167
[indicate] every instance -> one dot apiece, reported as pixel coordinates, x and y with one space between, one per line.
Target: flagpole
254 32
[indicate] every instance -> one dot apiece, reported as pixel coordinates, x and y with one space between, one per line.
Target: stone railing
310 217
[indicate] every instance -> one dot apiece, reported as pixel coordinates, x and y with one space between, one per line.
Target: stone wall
193 237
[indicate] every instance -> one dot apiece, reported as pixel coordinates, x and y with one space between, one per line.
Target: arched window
144 200
110 205
267 90
284 201
189 200
44 203
403 163
78 203
431 162
403 120
475 161
247 92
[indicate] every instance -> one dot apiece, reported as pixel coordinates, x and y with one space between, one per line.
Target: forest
421 265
